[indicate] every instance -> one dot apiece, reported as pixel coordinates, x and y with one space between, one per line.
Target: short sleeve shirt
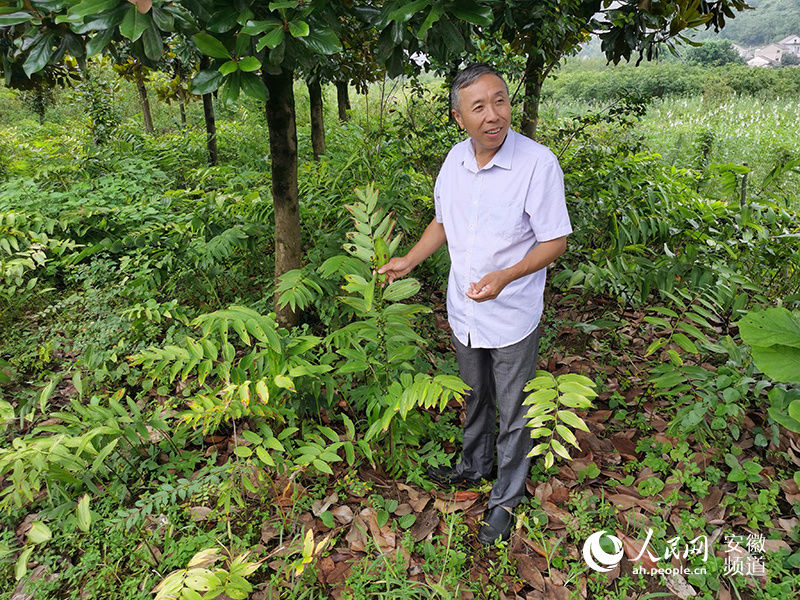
493 217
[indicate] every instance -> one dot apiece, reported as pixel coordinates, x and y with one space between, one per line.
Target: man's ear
457 117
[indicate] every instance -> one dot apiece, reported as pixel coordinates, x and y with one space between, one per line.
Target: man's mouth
494 131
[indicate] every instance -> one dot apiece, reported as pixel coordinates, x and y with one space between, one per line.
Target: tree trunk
283 156
317 118
211 125
534 75
182 107
148 119
39 104
343 100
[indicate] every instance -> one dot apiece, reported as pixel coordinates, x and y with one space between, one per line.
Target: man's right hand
397 267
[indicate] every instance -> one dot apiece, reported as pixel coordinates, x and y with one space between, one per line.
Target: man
500 207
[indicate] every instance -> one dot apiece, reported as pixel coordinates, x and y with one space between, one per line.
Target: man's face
484 111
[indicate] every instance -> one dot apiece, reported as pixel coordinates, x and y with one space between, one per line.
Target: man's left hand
489 287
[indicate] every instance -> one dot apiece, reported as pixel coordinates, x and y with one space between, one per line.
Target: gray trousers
497 376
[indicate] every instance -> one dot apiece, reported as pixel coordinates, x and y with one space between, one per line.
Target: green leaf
322 41
98 42
134 23
401 289
39 533
228 67
405 11
151 40
21 566
685 343
39 55
15 18
773 326
283 4
327 519
382 517
472 12
256 27
781 363
572 420
298 28
206 81
322 466
794 410
249 63
210 46
243 451
262 453
83 514
93 7
253 87
407 521
284 382
271 40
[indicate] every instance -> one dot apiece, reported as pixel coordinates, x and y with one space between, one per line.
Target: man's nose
491 113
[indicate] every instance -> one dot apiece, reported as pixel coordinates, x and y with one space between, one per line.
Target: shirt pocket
503 217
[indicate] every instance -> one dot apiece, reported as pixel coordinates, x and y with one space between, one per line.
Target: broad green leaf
770 327
794 410
228 67
256 27
322 41
271 40
134 23
252 85
210 46
249 63
685 343
205 558
39 533
200 579
152 43
472 12
434 15
15 18
21 566
560 449
38 55
298 28
93 7
781 363
83 514
244 451
283 4
541 396
401 289
573 387
283 381
405 11
572 420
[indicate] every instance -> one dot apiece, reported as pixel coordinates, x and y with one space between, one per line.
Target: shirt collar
501 159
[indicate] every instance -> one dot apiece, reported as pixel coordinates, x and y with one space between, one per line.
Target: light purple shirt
492 218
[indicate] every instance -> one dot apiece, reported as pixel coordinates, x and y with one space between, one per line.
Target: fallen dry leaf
425 524
459 501
528 571
633 548
679 586
343 514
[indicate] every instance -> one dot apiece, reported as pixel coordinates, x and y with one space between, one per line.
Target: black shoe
496 525
449 475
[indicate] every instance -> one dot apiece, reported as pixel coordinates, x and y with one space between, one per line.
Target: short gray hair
467 76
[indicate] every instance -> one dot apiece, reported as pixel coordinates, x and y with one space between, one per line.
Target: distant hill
770 21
